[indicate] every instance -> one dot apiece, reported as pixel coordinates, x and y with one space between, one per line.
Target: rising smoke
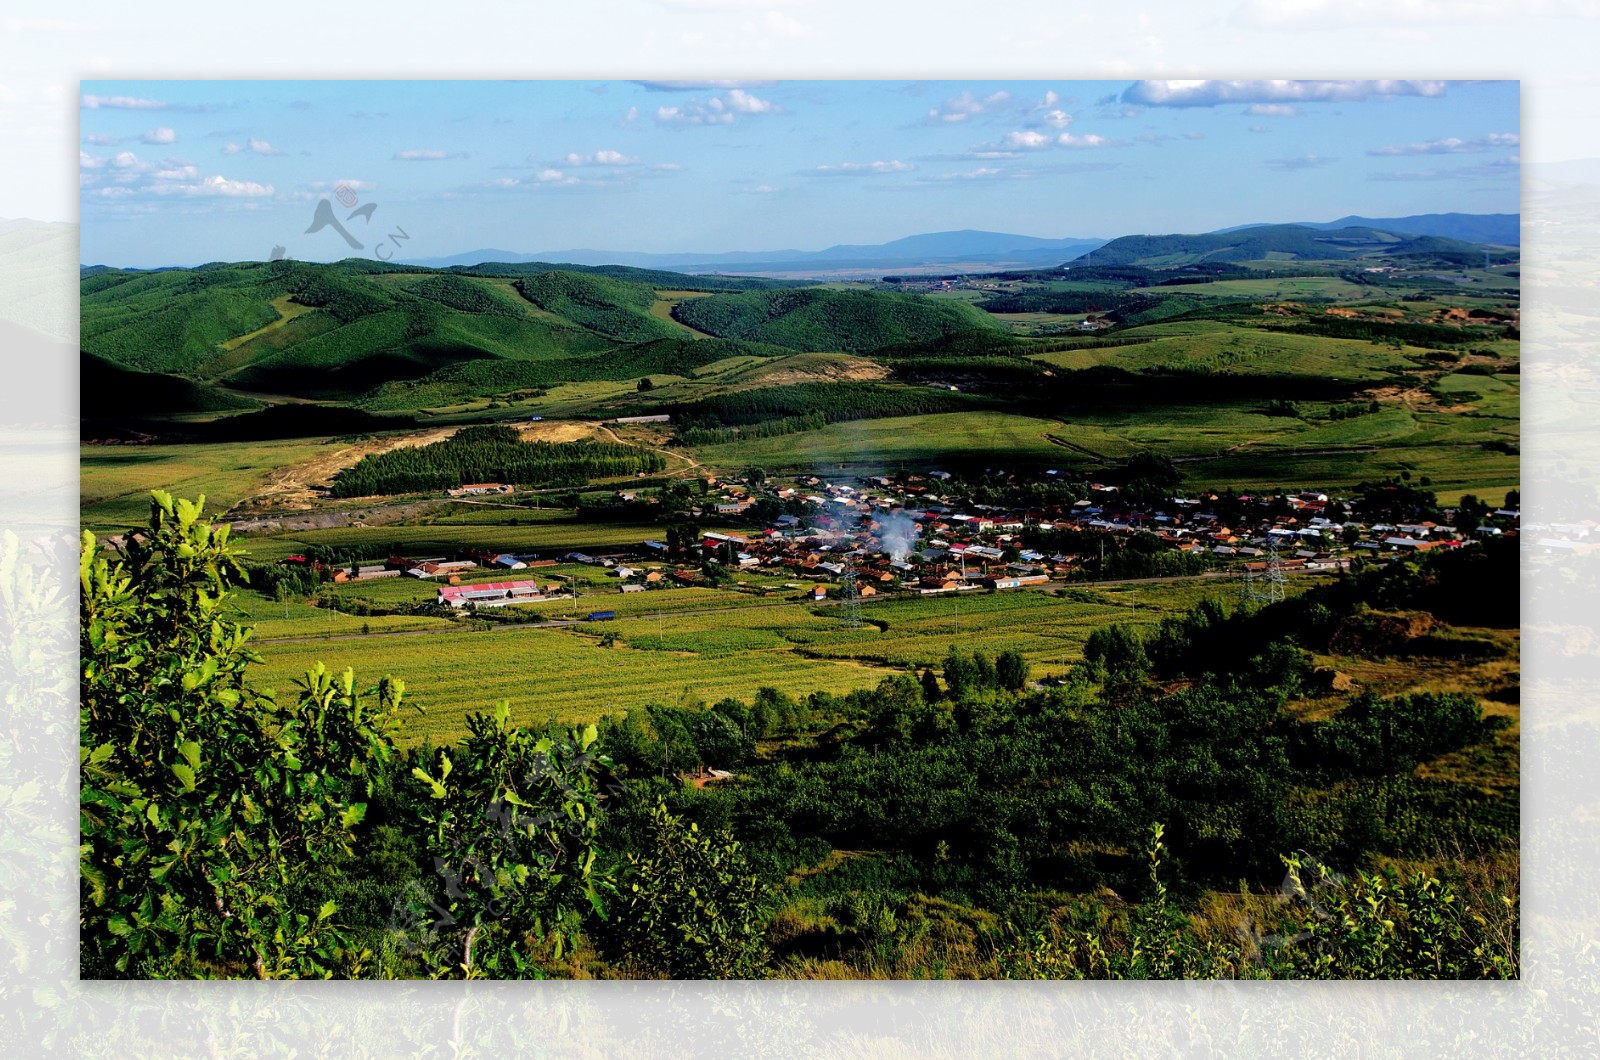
897 533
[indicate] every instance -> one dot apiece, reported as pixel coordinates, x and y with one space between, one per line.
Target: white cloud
1028 139
126 160
1051 98
693 115
764 189
1451 145
1212 93
120 103
960 108
99 141
1086 140
1056 119
162 135
1258 128
745 103
215 186
631 116
88 161
981 173
718 110
1272 110
1307 161
261 147
423 154
891 166
601 158
232 149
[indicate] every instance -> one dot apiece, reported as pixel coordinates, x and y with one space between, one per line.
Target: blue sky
182 172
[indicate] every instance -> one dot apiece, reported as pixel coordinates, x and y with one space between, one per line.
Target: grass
1288 288
914 440
115 480
1223 347
274 619
287 311
1460 468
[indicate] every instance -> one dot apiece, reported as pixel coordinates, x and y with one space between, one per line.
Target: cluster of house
906 529
914 532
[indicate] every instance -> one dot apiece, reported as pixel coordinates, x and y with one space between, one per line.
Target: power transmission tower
849 599
1274 578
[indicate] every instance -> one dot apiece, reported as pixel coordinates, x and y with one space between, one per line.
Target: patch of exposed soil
296 488
827 372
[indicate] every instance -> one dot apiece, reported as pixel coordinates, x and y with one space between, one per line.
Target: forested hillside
822 319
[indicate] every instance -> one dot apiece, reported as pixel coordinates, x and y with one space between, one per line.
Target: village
923 534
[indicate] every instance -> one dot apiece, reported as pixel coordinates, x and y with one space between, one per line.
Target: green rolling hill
829 319
399 339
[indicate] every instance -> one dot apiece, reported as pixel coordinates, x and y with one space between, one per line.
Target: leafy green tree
960 674
513 824
691 907
1011 670
1117 652
984 667
206 806
718 739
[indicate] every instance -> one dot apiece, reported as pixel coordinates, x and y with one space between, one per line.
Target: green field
1222 347
547 672
711 644
918 440
1292 288
115 480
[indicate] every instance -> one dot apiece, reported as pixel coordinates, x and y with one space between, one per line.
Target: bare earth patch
827 372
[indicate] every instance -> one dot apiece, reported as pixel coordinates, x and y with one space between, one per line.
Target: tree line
491 454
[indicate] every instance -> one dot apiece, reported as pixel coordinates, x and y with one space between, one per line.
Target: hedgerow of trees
491 454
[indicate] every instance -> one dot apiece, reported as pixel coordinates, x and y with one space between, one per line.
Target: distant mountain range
1502 229
965 250
1292 243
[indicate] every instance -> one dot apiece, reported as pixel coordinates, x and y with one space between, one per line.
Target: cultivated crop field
421 542
548 672
715 643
